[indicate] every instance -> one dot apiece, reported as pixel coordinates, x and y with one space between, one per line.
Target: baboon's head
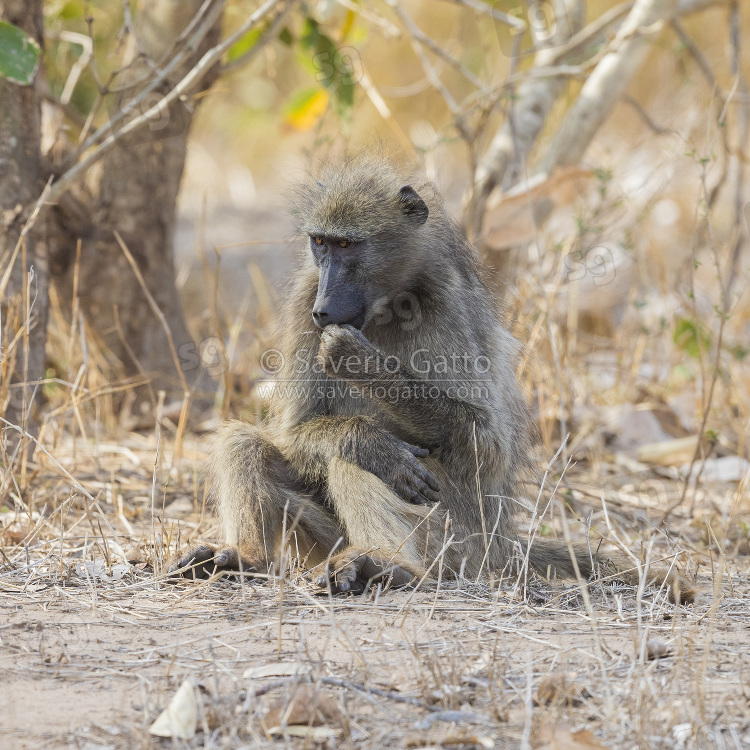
366 229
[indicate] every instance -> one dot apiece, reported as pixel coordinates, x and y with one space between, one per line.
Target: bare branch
513 141
268 34
498 15
606 84
183 87
183 53
417 33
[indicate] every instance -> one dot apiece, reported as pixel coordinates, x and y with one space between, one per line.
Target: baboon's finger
405 491
415 449
428 494
353 571
342 578
428 478
198 562
229 558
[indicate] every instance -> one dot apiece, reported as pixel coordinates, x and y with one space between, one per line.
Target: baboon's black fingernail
344 586
321 580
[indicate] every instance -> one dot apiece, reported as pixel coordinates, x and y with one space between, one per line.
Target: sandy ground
89 663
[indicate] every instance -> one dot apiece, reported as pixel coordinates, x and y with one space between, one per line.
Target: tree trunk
23 263
132 194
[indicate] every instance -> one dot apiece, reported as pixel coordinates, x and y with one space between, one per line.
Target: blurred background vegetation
625 272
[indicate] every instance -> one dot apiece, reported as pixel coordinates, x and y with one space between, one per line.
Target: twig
490 10
156 310
193 77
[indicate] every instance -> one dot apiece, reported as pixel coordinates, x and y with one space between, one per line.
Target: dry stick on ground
589 610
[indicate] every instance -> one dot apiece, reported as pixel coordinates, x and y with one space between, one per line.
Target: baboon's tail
550 557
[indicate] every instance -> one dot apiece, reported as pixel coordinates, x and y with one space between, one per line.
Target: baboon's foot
203 560
354 571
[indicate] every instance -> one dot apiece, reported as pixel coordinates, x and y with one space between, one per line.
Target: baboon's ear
412 205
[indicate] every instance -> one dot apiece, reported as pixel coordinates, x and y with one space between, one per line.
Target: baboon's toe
354 572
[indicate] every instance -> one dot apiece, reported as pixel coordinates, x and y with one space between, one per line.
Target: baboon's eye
344 243
318 240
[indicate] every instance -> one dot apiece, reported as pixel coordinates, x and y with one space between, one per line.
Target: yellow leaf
307 108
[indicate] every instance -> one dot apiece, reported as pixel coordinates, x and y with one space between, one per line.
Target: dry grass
95 646
96 640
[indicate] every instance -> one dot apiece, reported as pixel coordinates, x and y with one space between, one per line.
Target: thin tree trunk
133 195
23 263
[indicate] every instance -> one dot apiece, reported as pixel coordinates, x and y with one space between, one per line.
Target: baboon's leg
380 529
253 487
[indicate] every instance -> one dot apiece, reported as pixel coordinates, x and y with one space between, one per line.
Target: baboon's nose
321 318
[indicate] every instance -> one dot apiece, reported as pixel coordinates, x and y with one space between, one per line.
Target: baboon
397 432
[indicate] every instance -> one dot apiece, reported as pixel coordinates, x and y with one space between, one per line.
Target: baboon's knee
258 498
241 451
246 474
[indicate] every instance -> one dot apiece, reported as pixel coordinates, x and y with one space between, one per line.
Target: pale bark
504 162
607 82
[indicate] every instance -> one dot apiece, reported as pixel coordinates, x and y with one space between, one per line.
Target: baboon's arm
425 408
312 444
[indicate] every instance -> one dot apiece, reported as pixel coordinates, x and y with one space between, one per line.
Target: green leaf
245 44
691 337
19 54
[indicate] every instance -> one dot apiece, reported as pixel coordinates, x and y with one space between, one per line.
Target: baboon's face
341 296
360 264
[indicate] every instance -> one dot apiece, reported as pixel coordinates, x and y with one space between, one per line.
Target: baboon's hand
392 460
346 352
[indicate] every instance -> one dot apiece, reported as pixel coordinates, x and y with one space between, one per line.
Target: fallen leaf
724 469
180 718
656 649
561 688
510 219
558 737
668 452
451 739
302 730
281 669
99 569
306 708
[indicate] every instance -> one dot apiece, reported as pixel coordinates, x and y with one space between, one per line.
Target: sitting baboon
397 432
